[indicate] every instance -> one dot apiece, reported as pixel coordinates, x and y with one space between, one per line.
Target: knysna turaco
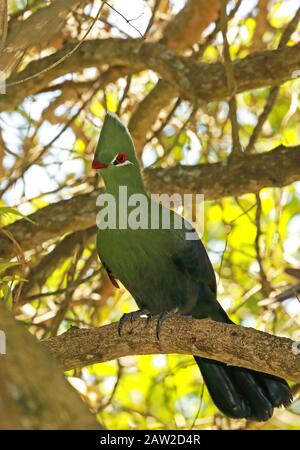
164 272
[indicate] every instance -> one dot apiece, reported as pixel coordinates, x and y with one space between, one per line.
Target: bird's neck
126 195
118 185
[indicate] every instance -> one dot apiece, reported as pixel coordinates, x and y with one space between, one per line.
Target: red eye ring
121 158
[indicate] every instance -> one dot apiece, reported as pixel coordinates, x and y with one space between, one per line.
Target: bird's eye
121 158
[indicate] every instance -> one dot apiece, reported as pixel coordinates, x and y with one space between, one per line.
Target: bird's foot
141 313
161 319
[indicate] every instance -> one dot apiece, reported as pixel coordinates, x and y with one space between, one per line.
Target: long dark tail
242 393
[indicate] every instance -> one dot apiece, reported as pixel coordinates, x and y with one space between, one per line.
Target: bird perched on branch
167 273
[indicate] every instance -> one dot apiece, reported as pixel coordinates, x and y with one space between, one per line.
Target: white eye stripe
125 163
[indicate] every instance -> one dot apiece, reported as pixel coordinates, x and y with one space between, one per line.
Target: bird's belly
147 272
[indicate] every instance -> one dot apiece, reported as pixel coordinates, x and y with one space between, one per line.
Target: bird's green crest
114 138
115 156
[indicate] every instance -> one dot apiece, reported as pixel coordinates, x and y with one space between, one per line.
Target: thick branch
231 344
29 380
39 31
193 80
77 213
187 26
250 173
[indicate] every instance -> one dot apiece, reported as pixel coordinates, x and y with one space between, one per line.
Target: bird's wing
193 259
111 276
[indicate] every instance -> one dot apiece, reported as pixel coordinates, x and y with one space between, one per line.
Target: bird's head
115 149
115 156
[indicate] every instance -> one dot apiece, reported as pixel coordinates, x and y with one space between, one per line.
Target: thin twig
230 224
128 21
157 133
124 95
108 401
63 58
63 307
236 146
270 102
262 118
176 140
51 142
71 286
3 23
23 263
150 23
129 77
265 285
202 47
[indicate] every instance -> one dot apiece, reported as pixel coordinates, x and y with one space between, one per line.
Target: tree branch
29 379
39 274
181 32
3 23
270 102
236 146
231 344
249 173
38 31
186 28
193 80
275 168
148 110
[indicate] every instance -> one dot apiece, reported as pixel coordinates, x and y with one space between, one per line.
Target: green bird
165 272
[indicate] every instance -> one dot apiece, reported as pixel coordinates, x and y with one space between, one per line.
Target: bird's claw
161 319
141 313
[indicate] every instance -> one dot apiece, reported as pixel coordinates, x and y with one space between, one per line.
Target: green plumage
163 271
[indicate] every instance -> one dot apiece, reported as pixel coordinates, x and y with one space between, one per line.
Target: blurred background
51 115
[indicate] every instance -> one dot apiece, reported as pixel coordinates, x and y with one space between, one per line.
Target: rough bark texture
39 31
3 24
249 173
55 220
261 25
187 26
276 168
231 344
29 379
193 80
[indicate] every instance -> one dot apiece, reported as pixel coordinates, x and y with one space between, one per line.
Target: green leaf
7 264
8 210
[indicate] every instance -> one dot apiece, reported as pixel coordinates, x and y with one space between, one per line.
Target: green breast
143 260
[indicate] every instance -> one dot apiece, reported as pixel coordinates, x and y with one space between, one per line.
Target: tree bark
193 80
29 379
231 344
3 24
39 31
186 28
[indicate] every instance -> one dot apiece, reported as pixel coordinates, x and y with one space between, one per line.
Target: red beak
98 165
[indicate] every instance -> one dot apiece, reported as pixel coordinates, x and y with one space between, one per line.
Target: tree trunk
33 391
